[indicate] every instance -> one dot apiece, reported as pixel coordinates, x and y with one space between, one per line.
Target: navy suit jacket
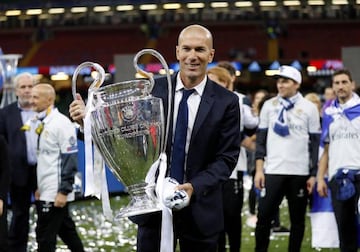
213 151
10 124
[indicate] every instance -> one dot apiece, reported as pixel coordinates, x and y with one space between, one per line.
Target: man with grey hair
22 155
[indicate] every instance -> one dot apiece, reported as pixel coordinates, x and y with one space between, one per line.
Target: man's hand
1 207
310 184
37 194
259 180
176 196
77 110
187 187
322 188
60 200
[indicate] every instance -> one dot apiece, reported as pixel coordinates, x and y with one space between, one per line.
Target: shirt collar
354 100
198 88
46 114
22 109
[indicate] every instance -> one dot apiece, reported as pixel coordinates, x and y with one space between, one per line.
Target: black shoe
280 230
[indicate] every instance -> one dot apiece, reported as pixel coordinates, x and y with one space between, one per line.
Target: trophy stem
143 200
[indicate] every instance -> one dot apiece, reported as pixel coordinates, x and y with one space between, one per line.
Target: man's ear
211 57
177 52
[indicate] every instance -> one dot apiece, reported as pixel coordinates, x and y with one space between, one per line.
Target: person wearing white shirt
340 159
288 138
208 152
56 167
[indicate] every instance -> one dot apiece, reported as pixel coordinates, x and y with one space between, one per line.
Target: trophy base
143 201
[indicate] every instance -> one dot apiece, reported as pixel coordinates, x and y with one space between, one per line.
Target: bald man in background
57 165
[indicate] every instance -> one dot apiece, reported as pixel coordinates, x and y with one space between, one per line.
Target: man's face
343 87
23 90
39 101
194 52
287 87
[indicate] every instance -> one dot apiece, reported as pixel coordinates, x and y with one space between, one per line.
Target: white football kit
344 139
58 137
289 155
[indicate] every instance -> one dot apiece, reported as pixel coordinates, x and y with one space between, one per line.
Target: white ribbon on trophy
94 163
167 232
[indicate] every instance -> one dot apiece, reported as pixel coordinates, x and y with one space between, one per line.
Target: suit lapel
205 106
171 119
18 123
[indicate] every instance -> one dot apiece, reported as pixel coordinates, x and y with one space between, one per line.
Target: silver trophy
8 67
127 126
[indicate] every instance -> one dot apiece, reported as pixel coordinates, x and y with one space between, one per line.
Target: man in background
56 168
340 159
22 153
292 124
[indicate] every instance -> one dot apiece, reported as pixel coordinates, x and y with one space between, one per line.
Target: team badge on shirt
73 144
299 111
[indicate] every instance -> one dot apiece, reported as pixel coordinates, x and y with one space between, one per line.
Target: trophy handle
157 55
98 80
149 75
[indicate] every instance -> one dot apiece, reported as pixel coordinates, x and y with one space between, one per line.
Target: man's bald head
196 29
46 90
43 96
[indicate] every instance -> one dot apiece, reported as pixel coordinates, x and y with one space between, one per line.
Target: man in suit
22 154
212 145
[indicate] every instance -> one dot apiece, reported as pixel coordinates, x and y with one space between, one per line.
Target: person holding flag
341 159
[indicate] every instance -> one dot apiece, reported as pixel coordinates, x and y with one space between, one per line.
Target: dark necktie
178 152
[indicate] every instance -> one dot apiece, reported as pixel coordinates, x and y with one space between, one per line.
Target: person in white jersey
288 139
56 167
340 159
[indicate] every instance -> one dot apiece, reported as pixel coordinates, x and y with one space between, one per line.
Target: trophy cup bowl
127 128
8 67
